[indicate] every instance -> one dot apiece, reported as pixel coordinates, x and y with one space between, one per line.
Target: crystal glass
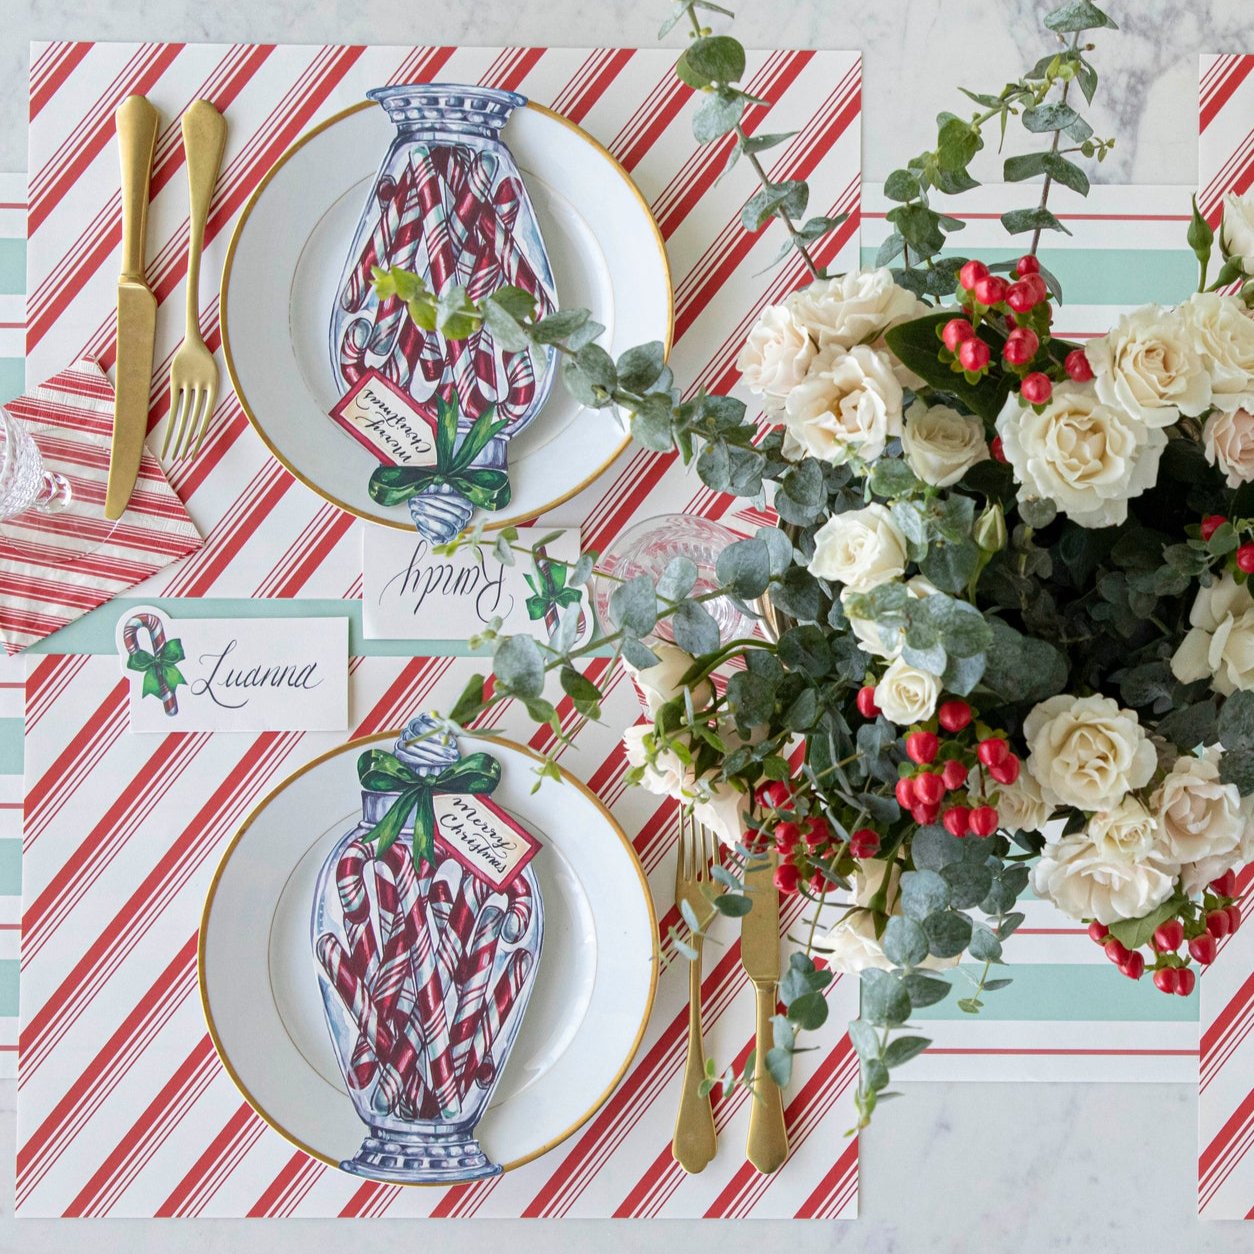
425 975
25 483
650 546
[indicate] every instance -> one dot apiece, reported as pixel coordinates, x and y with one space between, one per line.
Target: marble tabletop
949 1167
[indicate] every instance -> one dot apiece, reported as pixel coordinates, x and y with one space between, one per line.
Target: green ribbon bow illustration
161 673
549 589
482 485
380 771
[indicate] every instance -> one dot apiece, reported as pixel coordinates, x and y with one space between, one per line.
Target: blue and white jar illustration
427 926
449 205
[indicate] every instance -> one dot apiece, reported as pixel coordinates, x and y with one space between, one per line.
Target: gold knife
759 952
137 123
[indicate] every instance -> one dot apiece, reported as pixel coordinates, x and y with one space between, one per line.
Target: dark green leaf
716 58
744 568
808 1012
1017 221
633 606
639 367
1236 721
903 1049
904 941
695 631
885 1002
1079 15
923 893
926 990
519 666
901 185
718 114
948 933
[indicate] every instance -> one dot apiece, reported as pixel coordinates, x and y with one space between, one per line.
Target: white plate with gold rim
591 1000
285 261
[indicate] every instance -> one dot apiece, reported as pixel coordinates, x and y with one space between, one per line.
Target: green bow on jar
161 673
481 485
380 771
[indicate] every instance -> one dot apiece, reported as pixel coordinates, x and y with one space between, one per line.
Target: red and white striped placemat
123 1107
51 574
1226 1097
266 534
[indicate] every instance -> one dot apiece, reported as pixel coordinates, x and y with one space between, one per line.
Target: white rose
1086 751
941 444
848 405
1020 806
776 355
1198 816
1086 883
1090 459
1220 643
1128 831
1223 334
658 684
906 694
861 548
1228 438
722 809
854 308
1147 365
867 631
664 774
1236 232
1194 876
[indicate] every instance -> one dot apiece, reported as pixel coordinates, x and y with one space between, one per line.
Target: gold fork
194 373
693 1144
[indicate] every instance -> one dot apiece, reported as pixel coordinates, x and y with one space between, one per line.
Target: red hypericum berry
972 273
1133 966
1036 388
929 788
1218 924
973 355
998 450
1077 366
1166 979
955 331
1116 951
1169 936
921 747
1021 298
953 774
1234 918
786 836
924 815
990 290
1185 980
984 820
1225 885
1245 558
1098 932
992 750
774 795
1027 264
786 878
1020 347
819 884
905 793
1210 524
954 715
864 843
865 701
1036 285
1204 948
957 820
1006 771
817 832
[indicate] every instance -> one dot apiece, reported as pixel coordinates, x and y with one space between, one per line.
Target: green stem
1053 148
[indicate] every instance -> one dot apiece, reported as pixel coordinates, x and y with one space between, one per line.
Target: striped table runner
1226 1108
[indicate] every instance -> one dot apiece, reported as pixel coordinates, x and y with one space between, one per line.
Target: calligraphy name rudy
422 579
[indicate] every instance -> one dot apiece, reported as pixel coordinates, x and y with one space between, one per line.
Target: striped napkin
49 574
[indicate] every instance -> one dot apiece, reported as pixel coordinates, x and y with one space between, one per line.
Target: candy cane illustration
474 980
361 1006
455 937
154 664
478 1066
518 909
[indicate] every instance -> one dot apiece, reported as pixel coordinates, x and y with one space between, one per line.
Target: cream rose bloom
1086 751
1020 806
1223 334
867 631
1194 876
1127 831
664 774
1220 642
906 694
1088 882
776 356
854 308
1147 365
848 405
1237 230
861 548
1087 457
1198 815
941 444
1228 438
660 683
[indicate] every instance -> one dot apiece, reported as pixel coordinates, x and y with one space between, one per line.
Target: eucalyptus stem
1049 178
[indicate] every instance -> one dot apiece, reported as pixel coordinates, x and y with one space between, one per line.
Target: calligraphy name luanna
225 681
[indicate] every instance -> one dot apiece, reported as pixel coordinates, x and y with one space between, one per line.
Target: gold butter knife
759 952
137 122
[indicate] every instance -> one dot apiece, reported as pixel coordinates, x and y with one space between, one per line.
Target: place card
376 413
411 593
234 674
482 837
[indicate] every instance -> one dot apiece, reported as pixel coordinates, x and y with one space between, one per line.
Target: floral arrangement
1008 632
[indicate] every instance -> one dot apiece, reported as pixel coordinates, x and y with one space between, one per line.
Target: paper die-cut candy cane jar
426 929
449 204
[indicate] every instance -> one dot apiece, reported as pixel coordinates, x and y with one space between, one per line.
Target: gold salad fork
694 1141
194 373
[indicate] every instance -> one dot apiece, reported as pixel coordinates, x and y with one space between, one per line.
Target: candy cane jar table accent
425 969
449 204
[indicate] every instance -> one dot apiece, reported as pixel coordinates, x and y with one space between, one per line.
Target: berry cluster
1242 558
1020 306
1203 929
937 785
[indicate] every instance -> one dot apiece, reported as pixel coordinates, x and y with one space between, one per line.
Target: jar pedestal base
441 1156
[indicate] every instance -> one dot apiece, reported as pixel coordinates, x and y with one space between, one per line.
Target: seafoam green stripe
11 733
12 267
8 986
12 378
1066 993
1107 276
10 868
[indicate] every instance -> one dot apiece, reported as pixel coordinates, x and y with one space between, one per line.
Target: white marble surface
1027 1168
